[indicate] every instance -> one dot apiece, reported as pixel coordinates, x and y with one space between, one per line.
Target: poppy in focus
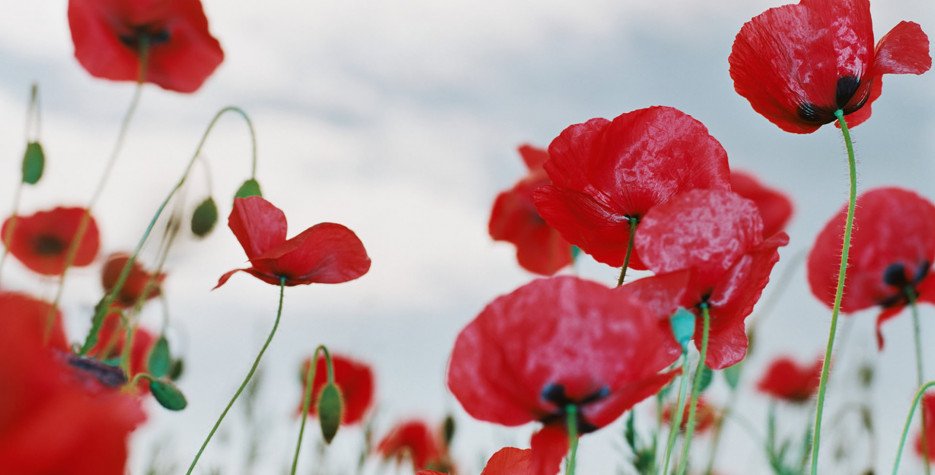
515 219
354 379
41 241
789 381
164 42
136 283
892 251
608 174
326 253
775 207
553 346
798 64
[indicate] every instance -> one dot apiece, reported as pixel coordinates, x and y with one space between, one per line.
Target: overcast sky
400 120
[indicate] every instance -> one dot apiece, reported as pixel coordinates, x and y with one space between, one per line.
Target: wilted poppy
326 253
607 174
137 281
556 344
786 380
41 241
718 237
928 407
705 415
515 219
54 416
353 378
413 440
892 251
110 37
775 207
509 461
111 341
798 64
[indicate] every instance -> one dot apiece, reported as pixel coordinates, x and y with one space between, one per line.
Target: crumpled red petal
775 206
509 461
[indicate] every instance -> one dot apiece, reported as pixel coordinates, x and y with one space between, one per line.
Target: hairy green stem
696 389
676 423
307 398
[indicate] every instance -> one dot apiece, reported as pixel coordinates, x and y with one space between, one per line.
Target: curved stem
571 421
842 273
256 363
696 389
676 425
626 259
307 398
920 372
912 410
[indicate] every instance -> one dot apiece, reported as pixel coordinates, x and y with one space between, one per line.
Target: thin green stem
920 372
626 259
912 410
696 389
307 399
571 422
676 424
842 273
256 363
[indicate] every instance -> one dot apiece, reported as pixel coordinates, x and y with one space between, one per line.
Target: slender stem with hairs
676 423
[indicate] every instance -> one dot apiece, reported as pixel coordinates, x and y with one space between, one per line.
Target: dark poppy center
845 90
48 245
904 282
110 376
555 394
150 34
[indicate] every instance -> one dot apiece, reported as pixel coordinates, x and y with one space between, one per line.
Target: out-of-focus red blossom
326 253
928 407
775 207
55 417
786 380
510 461
798 64
705 416
605 173
136 282
41 241
28 318
515 219
718 237
355 379
554 343
892 251
413 440
109 36
110 345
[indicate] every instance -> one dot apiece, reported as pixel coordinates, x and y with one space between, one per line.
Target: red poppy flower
509 461
788 381
136 283
705 416
718 236
54 416
514 218
353 378
555 343
892 251
111 342
605 173
798 64
414 440
41 241
109 36
326 253
775 207
928 406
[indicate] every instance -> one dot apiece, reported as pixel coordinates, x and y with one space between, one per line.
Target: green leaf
683 326
249 188
707 376
732 374
330 408
168 396
629 432
160 360
205 217
33 163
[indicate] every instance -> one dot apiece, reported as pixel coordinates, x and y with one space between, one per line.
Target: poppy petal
257 224
904 50
509 461
326 253
533 157
549 446
775 207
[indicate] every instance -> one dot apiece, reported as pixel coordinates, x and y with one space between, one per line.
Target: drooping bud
33 163
205 217
330 410
250 187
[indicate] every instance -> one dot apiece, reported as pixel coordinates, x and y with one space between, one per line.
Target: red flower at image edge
786 380
718 237
110 345
892 251
605 173
355 380
775 207
509 461
414 440
555 343
55 417
798 64
514 218
326 253
136 282
109 36
928 406
705 416
41 241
